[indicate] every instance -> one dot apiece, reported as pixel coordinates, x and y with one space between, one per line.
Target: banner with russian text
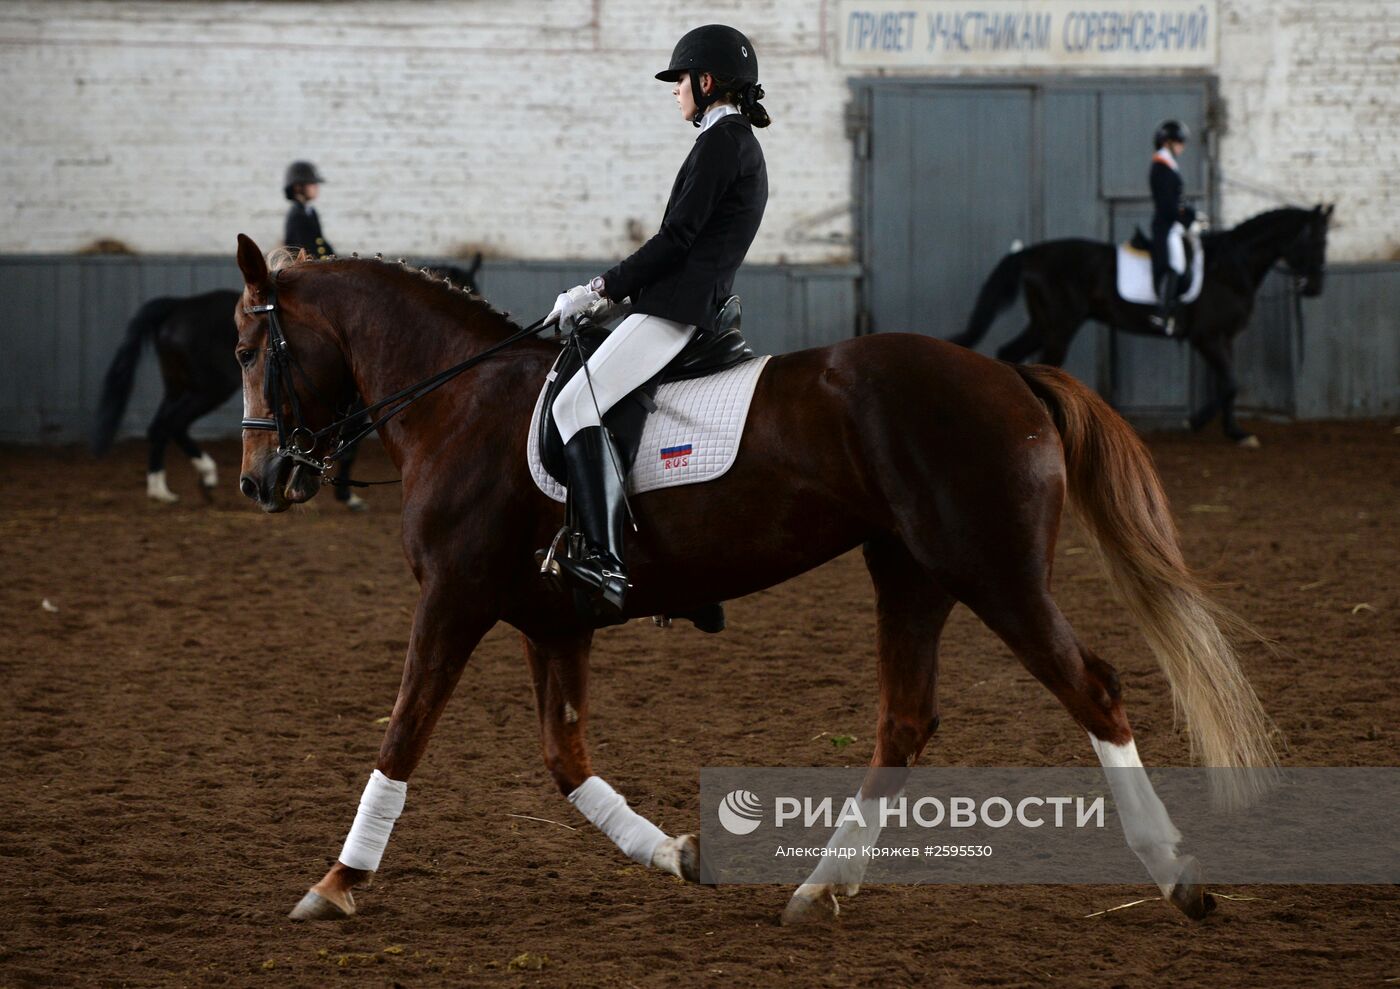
1026 34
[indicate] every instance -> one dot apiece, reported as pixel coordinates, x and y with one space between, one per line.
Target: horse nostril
248 487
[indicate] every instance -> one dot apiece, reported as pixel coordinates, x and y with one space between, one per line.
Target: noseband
298 442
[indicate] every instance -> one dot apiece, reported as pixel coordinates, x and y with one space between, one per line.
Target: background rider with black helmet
1168 210
301 185
676 282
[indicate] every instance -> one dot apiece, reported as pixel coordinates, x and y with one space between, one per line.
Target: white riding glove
578 301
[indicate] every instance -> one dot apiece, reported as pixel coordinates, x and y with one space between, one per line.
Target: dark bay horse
951 469
193 339
1069 281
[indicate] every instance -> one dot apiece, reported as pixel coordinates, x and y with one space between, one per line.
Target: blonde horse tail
1116 494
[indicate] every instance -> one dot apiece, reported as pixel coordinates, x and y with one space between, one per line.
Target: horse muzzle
278 482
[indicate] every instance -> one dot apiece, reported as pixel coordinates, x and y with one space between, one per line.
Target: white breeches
634 352
1176 248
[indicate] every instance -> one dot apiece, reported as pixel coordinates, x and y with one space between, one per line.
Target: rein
298 442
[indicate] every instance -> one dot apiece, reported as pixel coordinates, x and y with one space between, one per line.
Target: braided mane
291 259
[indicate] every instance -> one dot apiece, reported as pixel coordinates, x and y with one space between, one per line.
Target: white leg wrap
207 470
157 489
849 869
608 811
1146 824
380 807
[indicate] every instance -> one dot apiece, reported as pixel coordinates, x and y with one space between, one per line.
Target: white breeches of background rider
1176 248
632 354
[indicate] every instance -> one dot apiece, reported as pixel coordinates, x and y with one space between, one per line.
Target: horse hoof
1189 896
1250 442
680 856
166 498
817 907
314 906
356 504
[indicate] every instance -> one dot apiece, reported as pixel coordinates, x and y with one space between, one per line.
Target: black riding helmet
717 49
299 173
1171 130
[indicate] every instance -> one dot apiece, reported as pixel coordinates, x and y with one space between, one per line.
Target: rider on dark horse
1167 211
301 185
676 282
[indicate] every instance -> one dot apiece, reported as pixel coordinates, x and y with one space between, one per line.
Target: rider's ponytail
746 96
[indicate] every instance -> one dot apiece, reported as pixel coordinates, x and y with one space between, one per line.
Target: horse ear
251 262
1328 211
476 264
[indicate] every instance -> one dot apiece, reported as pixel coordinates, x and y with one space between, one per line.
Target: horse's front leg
559 669
449 623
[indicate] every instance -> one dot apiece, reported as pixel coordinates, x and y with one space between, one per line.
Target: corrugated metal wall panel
1127 119
1349 364
1343 362
27 291
1068 125
949 189
63 318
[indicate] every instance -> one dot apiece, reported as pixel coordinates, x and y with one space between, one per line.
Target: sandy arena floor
187 726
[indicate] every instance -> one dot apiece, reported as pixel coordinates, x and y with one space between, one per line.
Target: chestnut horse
951 469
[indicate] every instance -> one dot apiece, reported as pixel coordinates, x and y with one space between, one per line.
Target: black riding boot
597 494
1165 317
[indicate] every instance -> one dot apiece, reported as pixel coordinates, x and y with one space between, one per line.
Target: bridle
295 440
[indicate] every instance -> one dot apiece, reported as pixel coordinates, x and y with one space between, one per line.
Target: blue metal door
949 191
955 175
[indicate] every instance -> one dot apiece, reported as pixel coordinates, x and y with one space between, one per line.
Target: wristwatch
597 285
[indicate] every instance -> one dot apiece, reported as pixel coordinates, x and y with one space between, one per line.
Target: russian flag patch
676 456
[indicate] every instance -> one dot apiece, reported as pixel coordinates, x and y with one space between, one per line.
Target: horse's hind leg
1021 346
993 548
158 435
1028 620
559 669
911 609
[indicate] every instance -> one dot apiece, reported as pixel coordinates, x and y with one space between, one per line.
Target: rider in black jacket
301 185
1167 210
676 281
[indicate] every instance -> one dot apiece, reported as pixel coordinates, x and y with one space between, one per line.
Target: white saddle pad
1135 276
692 436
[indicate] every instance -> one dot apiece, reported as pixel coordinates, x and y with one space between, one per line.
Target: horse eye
245 357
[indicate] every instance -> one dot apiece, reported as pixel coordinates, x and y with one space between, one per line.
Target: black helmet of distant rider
300 173
1171 130
729 57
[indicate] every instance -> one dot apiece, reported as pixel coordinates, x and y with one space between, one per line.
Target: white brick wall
535 128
